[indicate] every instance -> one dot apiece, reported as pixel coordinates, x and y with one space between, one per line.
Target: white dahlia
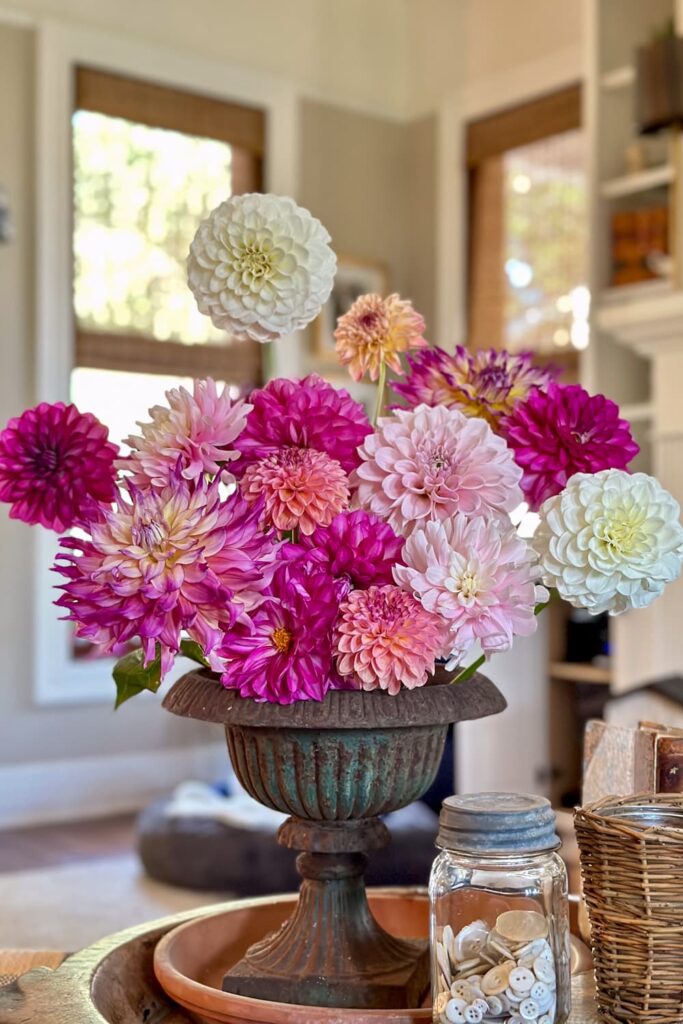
260 266
610 541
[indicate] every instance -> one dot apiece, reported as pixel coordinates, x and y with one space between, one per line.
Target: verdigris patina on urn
335 767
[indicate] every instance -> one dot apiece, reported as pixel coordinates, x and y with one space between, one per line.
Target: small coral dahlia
307 413
162 562
563 431
486 383
56 466
376 331
356 546
283 652
301 488
195 433
430 463
384 639
478 576
610 541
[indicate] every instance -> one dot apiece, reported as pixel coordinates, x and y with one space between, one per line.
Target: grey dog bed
202 853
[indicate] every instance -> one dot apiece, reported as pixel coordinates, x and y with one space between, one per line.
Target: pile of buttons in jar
502 973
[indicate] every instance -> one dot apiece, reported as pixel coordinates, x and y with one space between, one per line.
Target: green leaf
132 677
191 649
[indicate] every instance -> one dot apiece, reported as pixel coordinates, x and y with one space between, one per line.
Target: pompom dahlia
163 562
356 546
376 331
430 463
301 488
478 576
307 413
56 466
610 541
260 266
486 383
195 433
563 431
283 652
385 639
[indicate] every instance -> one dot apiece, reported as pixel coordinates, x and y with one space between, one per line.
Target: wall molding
41 792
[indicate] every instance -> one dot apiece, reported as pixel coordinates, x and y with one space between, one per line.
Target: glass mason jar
499 919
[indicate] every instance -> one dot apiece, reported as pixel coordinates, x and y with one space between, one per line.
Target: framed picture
353 278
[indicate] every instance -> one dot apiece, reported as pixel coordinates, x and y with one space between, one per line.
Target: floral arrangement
293 546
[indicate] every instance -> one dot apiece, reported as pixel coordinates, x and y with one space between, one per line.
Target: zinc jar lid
497 823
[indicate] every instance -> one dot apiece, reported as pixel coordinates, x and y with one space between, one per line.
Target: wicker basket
632 869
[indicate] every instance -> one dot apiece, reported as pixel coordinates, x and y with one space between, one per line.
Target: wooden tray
113 981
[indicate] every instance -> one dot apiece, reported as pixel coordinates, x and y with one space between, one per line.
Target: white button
544 971
482 1005
513 997
470 940
546 953
473 1015
460 1004
529 1009
495 1005
516 1019
454 1014
521 979
540 992
461 990
545 1019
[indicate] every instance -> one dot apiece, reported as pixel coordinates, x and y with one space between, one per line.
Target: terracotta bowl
190 961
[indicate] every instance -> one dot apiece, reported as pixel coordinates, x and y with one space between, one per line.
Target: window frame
59 678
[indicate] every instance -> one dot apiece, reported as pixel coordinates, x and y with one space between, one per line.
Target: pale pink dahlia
376 331
384 639
56 466
307 413
486 383
195 432
283 652
478 576
356 546
563 431
163 562
430 463
301 488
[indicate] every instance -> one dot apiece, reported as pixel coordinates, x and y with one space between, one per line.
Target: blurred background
513 168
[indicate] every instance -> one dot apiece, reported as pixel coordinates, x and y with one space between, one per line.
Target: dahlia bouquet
293 546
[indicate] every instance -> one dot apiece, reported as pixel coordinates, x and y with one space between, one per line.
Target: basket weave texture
633 887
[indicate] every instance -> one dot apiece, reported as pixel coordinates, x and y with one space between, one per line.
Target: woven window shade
244 129
518 126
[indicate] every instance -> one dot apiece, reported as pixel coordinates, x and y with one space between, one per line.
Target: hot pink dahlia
376 331
486 383
301 488
430 463
563 431
306 413
283 653
56 466
195 432
356 546
384 639
163 562
478 576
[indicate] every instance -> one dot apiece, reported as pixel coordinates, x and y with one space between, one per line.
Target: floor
47 846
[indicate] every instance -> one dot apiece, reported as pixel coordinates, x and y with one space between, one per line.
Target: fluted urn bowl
335 766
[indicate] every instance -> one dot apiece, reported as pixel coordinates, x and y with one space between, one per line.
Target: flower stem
380 391
467 673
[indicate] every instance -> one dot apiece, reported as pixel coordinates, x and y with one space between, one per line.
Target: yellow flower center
281 639
255 262
469 585
623 535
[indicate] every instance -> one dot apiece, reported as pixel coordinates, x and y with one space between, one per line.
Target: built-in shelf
618 78
629 184
638 412
630 294
578 672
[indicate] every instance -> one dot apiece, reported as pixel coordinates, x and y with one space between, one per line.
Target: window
149 163
528 242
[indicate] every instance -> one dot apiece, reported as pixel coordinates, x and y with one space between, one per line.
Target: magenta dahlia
563 431
301 488
163 562
194 433
486 383
307 413
283 653
356 546
56 466
384 639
